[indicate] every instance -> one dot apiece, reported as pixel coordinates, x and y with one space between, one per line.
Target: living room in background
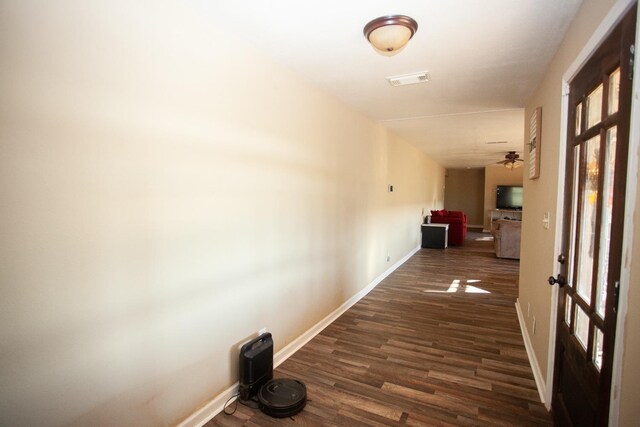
464 191
494 176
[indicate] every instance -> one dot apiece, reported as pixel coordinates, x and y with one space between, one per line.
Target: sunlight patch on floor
473 290
456 286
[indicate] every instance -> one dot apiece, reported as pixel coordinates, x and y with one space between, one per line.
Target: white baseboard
216 405
533 361
210 409
296 344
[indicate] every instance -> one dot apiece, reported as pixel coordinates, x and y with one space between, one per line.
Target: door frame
612 18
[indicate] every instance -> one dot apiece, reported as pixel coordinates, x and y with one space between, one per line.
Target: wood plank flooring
437 343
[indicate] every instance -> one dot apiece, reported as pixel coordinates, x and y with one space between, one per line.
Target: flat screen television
509 197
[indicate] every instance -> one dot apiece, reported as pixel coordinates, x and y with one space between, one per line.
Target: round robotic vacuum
282 397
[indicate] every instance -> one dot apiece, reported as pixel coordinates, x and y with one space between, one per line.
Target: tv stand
497 214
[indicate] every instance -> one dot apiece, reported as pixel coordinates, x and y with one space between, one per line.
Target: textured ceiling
485 58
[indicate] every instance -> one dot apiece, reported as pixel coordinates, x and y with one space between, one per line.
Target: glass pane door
593 221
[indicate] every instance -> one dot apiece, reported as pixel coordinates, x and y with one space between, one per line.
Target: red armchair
457 221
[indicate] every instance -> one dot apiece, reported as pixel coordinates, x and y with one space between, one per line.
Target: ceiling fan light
389 34
512 164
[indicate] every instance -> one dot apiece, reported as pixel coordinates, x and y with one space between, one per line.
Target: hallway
436 343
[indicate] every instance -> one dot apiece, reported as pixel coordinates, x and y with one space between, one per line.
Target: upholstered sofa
506 238
457 221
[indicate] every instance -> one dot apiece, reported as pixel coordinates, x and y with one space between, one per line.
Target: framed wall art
535 130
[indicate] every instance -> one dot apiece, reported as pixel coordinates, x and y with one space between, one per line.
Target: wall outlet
388 258
262 331
534 325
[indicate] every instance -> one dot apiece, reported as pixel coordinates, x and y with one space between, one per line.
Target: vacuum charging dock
280 397
256 365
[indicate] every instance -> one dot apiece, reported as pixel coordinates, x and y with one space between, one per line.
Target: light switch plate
545 220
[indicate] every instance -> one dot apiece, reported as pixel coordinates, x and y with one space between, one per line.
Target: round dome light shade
390 33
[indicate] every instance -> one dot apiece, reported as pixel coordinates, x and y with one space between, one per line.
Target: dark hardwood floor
437 343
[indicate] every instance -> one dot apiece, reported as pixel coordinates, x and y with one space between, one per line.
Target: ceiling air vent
409 79
496 142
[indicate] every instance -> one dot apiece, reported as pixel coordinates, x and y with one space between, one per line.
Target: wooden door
597 145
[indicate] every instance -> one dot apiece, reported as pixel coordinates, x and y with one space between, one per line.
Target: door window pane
594 107
614 91
578 119
582 326
587 240
598 339
574 209
605 229
567 309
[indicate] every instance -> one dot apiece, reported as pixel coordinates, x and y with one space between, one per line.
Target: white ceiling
485 58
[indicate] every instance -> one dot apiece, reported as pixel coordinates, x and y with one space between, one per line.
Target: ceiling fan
511 160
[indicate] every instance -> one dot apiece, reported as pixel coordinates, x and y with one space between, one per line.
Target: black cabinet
435 236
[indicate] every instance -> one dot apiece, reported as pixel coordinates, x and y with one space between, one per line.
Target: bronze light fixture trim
389 34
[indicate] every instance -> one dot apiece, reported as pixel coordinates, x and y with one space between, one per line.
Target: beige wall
537 261
493 176
464 191
630 385
164 196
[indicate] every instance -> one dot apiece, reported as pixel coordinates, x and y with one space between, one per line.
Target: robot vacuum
277 397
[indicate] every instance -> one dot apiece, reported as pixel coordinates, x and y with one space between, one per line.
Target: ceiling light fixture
512 165
389 34
511 160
